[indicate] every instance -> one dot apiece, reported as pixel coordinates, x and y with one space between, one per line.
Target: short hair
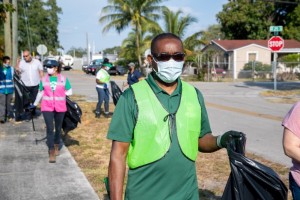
106 60
163 36
5 58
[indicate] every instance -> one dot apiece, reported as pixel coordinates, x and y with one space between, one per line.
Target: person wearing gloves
159 125
53 89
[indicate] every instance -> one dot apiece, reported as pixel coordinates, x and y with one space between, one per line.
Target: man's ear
149 59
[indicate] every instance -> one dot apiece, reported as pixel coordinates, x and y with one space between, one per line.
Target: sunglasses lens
163 57
178 57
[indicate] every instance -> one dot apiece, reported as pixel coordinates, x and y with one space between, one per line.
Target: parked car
84 67
49 62
121 70
94 66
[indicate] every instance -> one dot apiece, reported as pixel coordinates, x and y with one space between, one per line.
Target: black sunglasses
163 57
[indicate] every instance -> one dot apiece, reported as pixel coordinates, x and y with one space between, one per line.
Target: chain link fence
218 71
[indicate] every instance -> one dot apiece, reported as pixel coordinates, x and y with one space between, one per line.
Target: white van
66 61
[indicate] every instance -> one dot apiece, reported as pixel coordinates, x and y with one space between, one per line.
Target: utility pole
7 33
14 33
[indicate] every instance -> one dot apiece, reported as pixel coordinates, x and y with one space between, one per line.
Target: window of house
252 56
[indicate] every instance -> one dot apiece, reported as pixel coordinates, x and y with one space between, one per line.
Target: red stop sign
276 43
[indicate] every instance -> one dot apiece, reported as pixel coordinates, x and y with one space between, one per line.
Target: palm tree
175 23
120 14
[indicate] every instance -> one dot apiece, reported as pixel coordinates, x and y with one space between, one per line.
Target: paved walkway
25 172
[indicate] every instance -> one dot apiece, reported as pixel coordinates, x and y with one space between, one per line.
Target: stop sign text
276 43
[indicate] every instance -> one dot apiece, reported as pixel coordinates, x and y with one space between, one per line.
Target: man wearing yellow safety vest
102 83
159 125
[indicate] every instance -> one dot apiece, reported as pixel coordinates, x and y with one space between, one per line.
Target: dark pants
103 95
33 91
57 118
294 187
5 106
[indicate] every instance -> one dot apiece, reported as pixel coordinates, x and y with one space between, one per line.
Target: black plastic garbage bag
116 91
72 116
249 179
22 95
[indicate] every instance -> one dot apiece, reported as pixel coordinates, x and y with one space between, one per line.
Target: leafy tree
79 52
5 9
112 50
176 23
290 60
257 66
120 14
291 30
242 19
38 22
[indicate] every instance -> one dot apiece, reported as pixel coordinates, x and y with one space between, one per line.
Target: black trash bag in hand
249 179
72 116
116 92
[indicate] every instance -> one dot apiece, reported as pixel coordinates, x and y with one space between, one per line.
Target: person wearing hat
53 89
133 76
102 84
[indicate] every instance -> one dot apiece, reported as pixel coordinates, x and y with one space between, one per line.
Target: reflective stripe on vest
6 84
151 139
54 100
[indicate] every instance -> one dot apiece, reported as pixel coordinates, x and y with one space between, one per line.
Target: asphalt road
231 106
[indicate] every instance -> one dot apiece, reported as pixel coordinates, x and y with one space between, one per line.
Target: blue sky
80 18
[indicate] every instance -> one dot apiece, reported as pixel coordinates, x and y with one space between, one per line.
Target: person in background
291 146
133 76
53 90
6 89
102 84
159 125
31 71
106 63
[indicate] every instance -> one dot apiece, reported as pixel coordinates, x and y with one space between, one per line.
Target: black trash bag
72 116
116 92
249 179
22 96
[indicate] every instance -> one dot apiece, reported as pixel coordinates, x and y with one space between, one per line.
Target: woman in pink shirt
291 146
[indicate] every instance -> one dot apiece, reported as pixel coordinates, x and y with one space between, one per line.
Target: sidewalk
25 172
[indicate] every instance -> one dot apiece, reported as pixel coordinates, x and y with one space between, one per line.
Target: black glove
31 108
222 140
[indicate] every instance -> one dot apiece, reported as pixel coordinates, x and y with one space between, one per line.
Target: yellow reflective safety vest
152 133
105 76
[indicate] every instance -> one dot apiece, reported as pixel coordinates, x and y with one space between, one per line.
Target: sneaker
107 115
97 115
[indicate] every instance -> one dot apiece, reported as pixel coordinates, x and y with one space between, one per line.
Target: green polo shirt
174 176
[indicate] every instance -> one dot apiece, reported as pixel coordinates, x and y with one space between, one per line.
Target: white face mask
50 71
169 71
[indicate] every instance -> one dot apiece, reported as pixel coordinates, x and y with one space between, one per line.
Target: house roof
230 45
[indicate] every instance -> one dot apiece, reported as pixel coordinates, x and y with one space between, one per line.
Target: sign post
42 50
276 43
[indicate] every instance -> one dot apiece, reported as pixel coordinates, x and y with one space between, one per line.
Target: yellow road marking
246 112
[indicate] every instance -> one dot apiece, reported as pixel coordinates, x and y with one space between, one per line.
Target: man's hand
222 140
